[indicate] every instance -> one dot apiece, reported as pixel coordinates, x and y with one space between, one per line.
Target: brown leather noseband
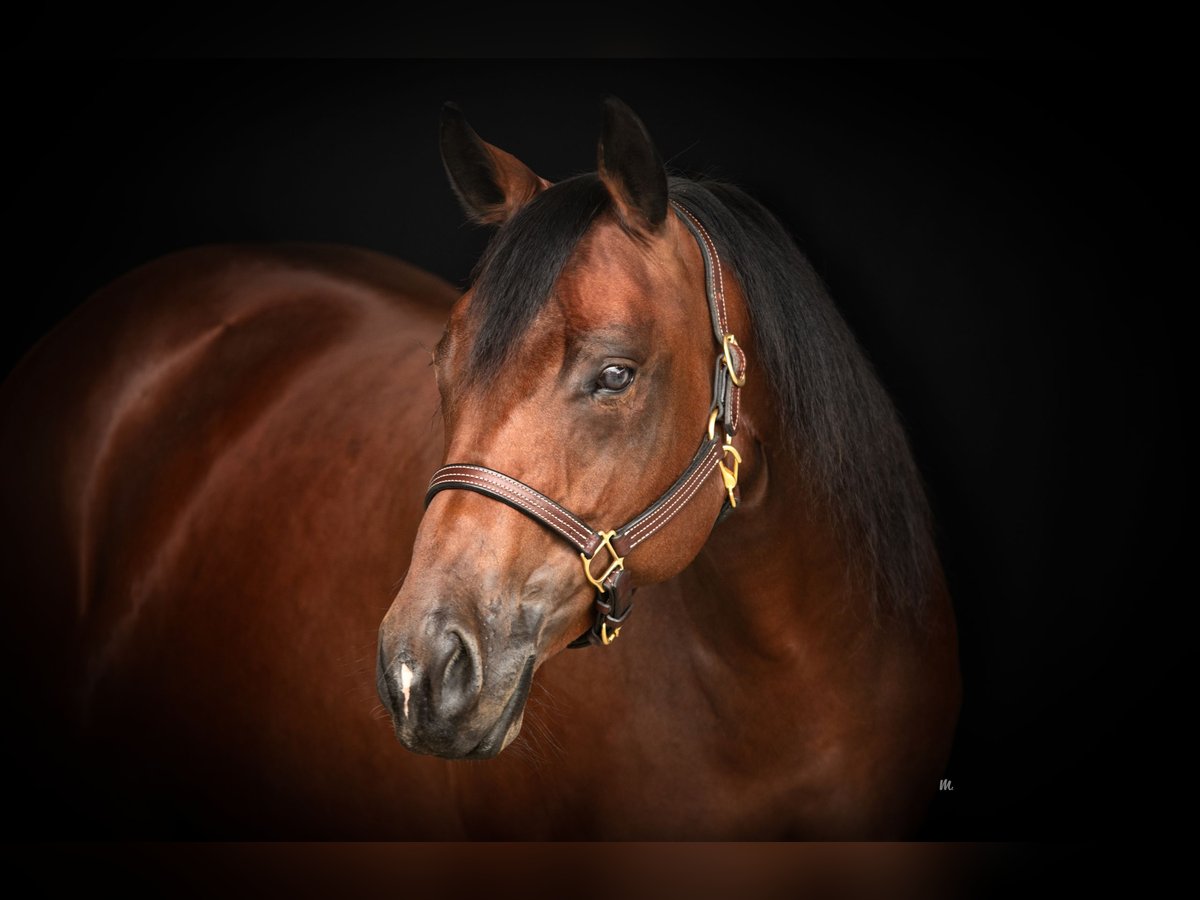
613 588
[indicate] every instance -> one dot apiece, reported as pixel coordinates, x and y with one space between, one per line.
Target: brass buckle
605 637
730 477
617 563
730 339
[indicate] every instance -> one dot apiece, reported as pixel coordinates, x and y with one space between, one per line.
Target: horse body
216 473
185 478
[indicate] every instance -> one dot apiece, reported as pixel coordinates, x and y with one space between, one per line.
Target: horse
626 541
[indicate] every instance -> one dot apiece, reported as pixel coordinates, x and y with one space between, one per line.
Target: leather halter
613 588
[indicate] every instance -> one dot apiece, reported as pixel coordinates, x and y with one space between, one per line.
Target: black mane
517 272
840 424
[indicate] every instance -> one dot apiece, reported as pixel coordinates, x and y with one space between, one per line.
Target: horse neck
775 573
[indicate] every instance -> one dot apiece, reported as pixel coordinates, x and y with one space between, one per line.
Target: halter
612 583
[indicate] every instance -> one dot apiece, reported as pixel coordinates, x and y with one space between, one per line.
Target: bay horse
650 435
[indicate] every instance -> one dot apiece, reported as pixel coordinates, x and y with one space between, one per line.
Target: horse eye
614 379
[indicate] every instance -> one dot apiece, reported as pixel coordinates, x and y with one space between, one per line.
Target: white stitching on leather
668 508
567 524
708 468
579 523
535 503
662 516
716 257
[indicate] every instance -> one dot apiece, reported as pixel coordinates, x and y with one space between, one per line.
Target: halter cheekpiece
614 591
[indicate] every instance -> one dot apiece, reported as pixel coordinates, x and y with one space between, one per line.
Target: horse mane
840 426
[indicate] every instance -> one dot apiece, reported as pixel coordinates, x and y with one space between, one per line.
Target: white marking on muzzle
406 676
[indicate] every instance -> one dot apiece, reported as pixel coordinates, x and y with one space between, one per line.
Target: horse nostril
461 677
431 687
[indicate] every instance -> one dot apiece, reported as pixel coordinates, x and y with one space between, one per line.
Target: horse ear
631 169
490 184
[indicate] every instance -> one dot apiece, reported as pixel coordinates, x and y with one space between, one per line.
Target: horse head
577 381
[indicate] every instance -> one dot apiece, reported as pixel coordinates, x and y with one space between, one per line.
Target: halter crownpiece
614 591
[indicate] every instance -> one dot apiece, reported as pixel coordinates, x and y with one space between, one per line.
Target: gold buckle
730 339
605 637
617 563
730 477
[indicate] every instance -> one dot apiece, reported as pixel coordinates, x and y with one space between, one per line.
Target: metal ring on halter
730 476
617 562
730 339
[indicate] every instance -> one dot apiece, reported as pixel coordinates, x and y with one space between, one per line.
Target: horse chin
508 725
491 746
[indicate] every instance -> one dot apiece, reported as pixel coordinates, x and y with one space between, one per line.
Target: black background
995 232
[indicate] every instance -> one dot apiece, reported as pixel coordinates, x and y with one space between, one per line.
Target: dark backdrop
993 232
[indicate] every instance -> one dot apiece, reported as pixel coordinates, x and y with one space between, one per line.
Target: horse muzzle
447 700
